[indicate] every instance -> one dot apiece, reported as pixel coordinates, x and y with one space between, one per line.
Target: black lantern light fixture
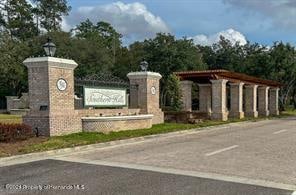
49 48
144 66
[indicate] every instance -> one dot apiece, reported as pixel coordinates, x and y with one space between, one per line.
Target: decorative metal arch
102 79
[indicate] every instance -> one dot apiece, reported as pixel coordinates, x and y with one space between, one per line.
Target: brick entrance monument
52 106
51 95
146 95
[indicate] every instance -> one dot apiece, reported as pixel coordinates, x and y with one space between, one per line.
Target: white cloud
134 20
30 2
232 35
65 25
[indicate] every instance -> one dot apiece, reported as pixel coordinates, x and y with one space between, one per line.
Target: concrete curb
65 151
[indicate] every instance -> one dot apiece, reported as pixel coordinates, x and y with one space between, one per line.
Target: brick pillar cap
133 75
39 61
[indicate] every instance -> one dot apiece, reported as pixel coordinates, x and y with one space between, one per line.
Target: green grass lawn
84 138
289 112
8 118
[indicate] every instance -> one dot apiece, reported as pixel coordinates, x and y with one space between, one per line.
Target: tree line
98 47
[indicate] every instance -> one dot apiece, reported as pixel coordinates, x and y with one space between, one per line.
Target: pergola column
219 111
205 98
186 87
274 101
263 101
236 100
251 101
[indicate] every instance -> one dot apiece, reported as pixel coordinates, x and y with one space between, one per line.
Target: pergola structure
245 91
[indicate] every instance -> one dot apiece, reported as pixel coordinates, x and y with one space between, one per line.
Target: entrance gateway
52 104
52 109
249 96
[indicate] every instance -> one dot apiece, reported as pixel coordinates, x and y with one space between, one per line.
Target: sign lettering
104 97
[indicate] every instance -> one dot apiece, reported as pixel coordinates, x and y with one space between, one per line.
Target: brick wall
13 102
115 125
107 112
38 122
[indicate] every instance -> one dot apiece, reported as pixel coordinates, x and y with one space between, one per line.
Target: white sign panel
104 97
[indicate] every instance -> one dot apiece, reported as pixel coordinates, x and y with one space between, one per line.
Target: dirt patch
12 148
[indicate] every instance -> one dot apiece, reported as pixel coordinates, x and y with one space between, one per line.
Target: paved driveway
248 154
264 150
96 179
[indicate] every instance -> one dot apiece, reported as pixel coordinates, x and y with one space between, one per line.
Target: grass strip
85 138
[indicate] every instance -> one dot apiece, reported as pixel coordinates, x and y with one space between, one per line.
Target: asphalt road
97 179
261 150
249 158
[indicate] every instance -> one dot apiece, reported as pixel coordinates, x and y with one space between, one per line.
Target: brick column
251 101
236 100
186 88
274 101
205 98
51 108
146 96
263 101
219 111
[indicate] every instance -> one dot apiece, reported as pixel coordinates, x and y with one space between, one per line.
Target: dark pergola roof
205 76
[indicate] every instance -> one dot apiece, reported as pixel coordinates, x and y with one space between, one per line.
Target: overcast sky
262 21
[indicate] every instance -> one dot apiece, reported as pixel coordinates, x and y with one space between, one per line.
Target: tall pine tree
17 20
50 13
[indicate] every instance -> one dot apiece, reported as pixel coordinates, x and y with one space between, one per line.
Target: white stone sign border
98 88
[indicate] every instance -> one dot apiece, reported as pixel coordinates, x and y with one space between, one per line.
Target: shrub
14 132
173 91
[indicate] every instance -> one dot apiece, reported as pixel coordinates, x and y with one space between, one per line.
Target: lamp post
144 66
49 48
